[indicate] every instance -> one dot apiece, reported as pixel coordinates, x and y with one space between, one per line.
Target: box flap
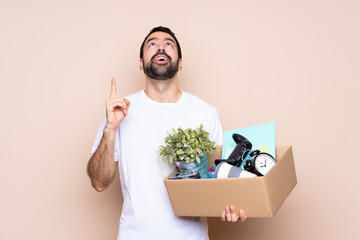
281 179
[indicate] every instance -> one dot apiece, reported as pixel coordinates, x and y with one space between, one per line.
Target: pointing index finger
113 92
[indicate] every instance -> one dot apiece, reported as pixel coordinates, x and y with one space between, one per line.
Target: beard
161 71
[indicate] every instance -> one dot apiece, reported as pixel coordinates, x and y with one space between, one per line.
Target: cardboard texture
260 197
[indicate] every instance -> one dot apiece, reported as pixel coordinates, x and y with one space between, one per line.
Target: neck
163 91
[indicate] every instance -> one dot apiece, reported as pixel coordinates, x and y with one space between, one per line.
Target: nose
161 48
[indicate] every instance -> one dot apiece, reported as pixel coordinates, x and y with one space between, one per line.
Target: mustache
161 53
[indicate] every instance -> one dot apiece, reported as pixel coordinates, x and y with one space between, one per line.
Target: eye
169 44
152 44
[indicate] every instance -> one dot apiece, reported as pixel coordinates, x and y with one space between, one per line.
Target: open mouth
161 59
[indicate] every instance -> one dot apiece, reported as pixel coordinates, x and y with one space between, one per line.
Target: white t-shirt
147 212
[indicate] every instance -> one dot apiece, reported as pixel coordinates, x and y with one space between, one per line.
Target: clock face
264 162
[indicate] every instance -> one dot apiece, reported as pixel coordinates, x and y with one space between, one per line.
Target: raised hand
116 108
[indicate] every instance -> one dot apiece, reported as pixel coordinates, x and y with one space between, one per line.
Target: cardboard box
260 197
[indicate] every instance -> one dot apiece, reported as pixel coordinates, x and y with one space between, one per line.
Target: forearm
101 166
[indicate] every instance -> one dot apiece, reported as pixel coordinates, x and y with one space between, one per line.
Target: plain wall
293 62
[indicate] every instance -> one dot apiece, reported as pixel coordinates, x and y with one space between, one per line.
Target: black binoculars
237 156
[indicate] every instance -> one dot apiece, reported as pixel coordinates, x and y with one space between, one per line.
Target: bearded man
129 137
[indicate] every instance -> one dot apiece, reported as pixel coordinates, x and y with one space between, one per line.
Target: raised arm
101 166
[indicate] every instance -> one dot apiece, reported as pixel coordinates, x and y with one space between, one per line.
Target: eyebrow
154 38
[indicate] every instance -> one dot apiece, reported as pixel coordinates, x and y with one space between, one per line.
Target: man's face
160 59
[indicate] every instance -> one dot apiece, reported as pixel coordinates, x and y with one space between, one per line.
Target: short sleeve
216 131
99 136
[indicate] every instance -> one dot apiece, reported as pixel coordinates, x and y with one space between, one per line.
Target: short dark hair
165 30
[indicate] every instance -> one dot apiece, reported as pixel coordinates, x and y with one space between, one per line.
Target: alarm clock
259 163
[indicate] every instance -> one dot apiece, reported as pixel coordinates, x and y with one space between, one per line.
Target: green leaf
165 164
171 158
187 136
180 151
189 151
197 159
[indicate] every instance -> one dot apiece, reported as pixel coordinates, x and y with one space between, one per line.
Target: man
129 137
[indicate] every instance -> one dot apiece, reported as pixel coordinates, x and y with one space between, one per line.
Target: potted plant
187 148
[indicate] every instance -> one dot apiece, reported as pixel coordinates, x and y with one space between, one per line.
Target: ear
141 64
180 64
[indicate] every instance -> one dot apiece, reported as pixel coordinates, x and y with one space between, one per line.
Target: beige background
292 62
